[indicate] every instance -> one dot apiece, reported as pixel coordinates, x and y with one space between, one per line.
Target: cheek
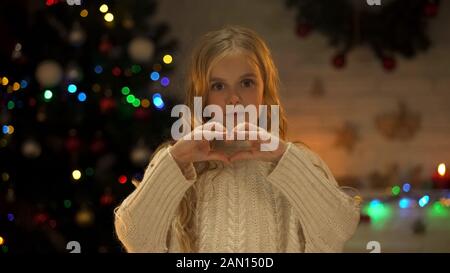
255 98
258 97
216 99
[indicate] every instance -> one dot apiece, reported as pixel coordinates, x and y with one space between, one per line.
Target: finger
216 155
213 135
243 155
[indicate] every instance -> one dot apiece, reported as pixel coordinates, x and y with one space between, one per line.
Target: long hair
210 48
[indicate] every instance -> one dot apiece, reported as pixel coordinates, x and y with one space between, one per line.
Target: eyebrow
217 79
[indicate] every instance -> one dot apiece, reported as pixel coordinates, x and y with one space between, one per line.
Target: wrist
282 150
181 164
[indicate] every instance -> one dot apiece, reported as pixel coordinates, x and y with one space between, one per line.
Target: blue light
81 96
5 129
424 201
165 81
10 217
374 202
157 101
23 84
154 76
406 187
72 88
403 203
98 69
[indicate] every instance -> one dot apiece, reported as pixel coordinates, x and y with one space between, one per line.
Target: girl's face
235 80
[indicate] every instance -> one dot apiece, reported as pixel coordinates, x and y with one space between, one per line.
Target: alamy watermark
373 2
73 2
256 117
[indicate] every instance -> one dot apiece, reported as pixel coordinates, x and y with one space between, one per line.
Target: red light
116 71
51 2
40 218
122 179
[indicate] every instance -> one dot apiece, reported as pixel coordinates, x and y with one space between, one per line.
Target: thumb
216 155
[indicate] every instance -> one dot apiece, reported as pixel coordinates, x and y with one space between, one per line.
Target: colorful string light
167 59
76 174
157 101
423 201
122 179
154 76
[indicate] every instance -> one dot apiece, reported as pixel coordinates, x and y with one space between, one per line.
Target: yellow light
167 59
76 174
5 176
16 86
441 169
145 103
109 17
2 240
10 129
84 13
103 8
5 81
445 202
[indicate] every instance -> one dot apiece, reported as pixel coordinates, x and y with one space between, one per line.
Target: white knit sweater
251 206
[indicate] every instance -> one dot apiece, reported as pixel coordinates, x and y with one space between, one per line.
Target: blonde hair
210 48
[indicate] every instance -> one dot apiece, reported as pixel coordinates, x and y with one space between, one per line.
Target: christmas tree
83 106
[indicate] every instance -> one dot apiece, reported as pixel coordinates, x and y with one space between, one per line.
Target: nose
233 98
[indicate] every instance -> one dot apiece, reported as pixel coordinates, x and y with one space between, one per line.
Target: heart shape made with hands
247 141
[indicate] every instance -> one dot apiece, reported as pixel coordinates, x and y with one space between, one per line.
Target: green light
89 172
379 213
130 98
136 102
11 105
48 94
67 204
5 249
438 210
395 190
125 90
136 68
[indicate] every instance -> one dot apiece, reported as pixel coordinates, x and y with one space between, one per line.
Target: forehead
233 66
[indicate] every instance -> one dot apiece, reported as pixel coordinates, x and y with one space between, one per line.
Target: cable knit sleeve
328 216
143 219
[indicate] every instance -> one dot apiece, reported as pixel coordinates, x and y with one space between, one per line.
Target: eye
217 86
248 83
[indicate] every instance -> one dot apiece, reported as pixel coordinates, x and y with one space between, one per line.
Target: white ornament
77 36
140 154
141 49
73 73
49 73
31 149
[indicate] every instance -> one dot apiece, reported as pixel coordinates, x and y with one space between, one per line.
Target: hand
187 149
255 152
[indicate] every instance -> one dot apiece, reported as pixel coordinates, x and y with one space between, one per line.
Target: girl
216 196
